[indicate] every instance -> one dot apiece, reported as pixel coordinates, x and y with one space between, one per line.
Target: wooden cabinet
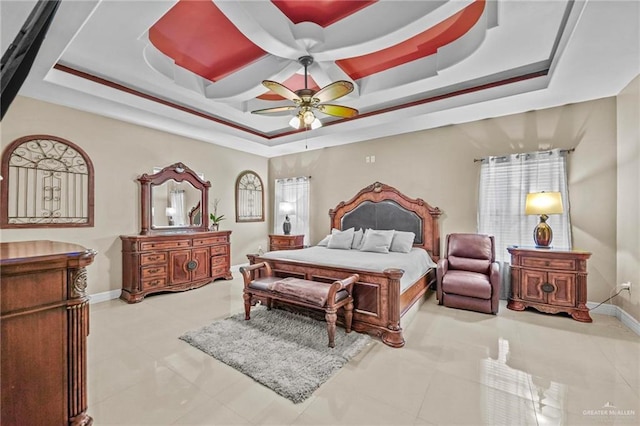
173 262
550 281
45 323
285 242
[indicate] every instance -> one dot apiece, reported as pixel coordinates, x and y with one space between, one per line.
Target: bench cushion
312 292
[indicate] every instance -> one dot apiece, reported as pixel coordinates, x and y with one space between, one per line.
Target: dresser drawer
219 250
149 245
218 261
154 271
544 263
210 240
219 271
151 258
153 282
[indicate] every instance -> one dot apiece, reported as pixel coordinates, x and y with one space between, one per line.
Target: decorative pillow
377 241
357 239
323 242
341 239
402 241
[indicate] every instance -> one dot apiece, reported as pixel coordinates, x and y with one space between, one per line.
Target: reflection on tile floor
458 367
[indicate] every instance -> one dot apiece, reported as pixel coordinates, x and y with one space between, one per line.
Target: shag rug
284 351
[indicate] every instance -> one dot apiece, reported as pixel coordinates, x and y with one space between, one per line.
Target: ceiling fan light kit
307 100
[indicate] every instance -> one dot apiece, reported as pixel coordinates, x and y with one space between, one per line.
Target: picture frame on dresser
175 250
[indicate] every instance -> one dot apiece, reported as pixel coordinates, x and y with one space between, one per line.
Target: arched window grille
249 197
46 182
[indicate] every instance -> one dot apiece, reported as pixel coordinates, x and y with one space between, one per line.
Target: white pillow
324 241
377 241
357 239
341 239
402 241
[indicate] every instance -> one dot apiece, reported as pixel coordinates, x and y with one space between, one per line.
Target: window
47 182
292 200
504 184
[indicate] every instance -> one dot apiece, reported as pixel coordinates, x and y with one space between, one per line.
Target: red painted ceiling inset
419 46
321 12
295 82
200 38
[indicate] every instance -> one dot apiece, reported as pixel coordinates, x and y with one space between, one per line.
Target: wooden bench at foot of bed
309 294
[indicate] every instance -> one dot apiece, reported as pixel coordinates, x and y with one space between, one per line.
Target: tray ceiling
195 67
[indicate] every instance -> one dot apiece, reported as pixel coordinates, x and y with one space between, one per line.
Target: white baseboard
114 294
616 311
104 296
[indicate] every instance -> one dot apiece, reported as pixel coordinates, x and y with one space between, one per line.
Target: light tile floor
458 367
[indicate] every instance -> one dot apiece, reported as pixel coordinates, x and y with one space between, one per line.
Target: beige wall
437 165
120 152
628 201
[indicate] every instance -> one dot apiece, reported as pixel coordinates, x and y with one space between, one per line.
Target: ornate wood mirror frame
249 197
178 173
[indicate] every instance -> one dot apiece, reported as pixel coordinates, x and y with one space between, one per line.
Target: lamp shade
543 203
286 207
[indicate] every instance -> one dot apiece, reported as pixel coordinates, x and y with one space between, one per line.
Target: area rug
284 351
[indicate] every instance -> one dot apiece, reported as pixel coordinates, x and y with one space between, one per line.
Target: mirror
173 199
172 203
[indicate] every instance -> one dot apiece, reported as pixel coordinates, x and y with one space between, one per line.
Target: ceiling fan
307 100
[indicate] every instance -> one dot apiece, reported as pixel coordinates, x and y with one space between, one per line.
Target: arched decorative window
249 197
46 182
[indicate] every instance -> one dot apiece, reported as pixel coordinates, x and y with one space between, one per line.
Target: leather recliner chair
469 277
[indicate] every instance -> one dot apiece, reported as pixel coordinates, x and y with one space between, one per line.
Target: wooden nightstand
285 242
550 281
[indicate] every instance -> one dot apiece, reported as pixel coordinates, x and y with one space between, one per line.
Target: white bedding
415 263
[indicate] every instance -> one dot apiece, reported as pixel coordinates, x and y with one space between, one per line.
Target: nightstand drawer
545 263
285 242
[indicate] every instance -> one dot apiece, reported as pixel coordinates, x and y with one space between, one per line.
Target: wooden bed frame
378 303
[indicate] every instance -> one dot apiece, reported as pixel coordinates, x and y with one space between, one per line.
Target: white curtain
177 203
294 194
504 184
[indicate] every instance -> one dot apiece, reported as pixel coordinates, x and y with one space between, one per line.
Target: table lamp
543 204
286 208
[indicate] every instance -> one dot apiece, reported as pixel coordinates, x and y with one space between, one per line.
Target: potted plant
215 219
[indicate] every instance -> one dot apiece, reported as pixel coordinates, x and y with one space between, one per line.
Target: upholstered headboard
379 206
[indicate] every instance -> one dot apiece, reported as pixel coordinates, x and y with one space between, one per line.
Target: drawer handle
154 257
547 263
547 287
154 282
153 271
191 265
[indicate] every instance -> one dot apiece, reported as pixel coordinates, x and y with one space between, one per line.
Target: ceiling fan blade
274 109
332 91
281 90
338 110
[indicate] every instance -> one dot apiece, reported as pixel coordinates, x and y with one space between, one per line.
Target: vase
214 227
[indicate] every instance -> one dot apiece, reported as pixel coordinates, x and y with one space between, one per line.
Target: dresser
550 281
285 242
45 323
173 262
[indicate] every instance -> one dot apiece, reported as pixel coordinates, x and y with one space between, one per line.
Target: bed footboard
378 303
